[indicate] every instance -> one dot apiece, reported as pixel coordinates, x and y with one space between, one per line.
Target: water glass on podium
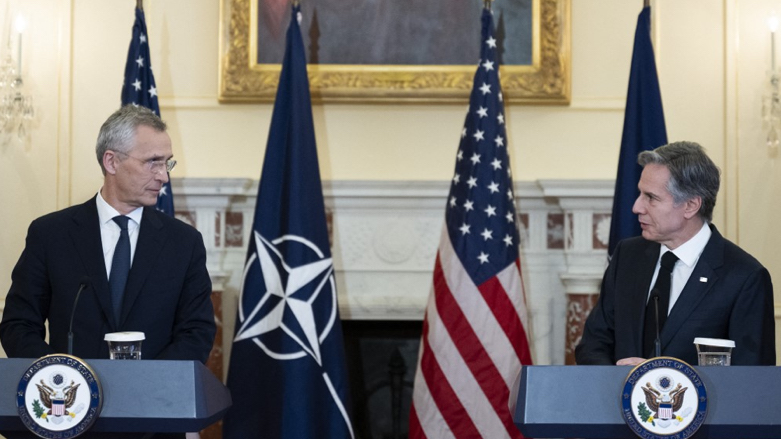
714 351
124 345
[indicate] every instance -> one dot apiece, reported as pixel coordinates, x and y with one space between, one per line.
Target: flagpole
140 4
487 4
646 3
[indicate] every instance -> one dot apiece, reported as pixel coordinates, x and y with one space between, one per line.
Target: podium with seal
588 402
63 396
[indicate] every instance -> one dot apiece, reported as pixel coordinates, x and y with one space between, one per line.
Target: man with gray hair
140 269
681 279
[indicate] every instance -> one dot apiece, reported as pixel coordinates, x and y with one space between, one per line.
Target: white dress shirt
688 254
109 230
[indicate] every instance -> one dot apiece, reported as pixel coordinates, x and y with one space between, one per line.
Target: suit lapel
151 238
695 290
86 240
639 297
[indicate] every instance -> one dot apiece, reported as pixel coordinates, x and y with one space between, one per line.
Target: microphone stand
84 283
658 341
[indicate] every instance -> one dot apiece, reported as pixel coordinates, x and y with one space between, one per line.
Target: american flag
474 339
139 89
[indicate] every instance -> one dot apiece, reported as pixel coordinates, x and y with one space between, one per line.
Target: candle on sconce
772 24
20 24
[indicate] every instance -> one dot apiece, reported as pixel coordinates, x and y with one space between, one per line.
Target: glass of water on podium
124 345
714 351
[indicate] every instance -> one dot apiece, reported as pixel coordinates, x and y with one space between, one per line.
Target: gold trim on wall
545 81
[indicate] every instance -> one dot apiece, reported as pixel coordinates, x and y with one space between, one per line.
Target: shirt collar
106 212
689 252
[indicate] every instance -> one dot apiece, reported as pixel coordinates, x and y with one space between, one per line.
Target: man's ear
692 207
110 161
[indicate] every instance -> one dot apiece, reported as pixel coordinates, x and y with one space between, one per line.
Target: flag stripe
468 344
504 308
479 313
450 379
447 405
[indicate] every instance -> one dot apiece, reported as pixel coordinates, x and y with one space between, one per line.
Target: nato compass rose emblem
296 307
664 398
59 396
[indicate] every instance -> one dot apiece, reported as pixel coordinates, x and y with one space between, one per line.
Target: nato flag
287 370
643 130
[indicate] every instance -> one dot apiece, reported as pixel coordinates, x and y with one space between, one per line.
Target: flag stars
142 39
469 205
456 179
490 211
463 132
491 41
475 159
509 194
137 85
509 217
487 234
500 118
472 182
499 141
482 112
493 187
488 65
483 258
152 92
508 240
497 164
140 61
485 89
478 135
460 155
464 229
452 201
501 97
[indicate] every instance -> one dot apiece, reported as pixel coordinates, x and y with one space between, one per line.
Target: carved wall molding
385 236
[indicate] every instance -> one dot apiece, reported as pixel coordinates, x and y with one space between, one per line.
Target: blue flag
287 369
643 130
139 89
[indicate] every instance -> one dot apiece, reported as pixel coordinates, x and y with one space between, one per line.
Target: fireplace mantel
384 237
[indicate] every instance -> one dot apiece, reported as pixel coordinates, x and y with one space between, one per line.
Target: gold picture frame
545 81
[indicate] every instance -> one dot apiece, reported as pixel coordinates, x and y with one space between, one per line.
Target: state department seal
59 396
664 398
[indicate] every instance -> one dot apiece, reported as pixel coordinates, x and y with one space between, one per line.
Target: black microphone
658 341
84 283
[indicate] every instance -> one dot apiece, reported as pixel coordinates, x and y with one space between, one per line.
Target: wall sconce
771 101
16 106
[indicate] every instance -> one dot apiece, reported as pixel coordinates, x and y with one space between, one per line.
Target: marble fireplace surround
384 239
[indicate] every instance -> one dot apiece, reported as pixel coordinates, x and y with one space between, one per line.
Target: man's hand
631 361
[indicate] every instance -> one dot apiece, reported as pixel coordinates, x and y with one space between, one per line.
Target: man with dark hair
681 269
144 270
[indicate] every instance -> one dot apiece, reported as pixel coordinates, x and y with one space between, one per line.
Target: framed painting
396 50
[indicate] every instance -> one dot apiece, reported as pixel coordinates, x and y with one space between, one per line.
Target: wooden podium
585 402
138 396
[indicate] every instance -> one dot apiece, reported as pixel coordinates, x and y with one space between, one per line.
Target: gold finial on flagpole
646 3
487 4
296 2
140 4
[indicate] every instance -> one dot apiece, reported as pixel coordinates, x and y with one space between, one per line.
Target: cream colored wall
711 57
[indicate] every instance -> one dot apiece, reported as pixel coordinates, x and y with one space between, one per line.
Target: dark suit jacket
729 295
168 293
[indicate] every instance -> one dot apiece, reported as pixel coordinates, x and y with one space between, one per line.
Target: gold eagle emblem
68 395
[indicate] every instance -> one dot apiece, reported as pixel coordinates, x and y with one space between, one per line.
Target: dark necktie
662 289
120 267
